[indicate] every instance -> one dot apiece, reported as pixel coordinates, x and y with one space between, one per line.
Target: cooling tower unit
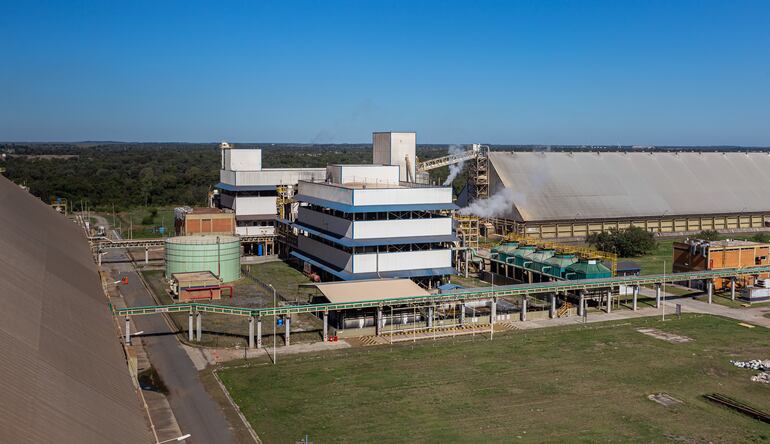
220 255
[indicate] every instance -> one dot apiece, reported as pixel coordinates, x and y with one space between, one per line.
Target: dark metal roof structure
63 374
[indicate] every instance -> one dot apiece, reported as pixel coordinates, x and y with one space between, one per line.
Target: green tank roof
525 251
538 259
522 254
542 255
559 263
506 249
589 269
561 260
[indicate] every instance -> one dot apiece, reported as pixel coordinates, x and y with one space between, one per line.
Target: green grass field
137 216
284 278
653 263
724 299
569 384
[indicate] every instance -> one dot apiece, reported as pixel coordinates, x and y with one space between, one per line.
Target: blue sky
543 72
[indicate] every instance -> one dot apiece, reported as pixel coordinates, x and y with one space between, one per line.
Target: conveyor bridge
103 243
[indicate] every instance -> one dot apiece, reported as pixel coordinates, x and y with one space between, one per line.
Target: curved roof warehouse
661 191
64 375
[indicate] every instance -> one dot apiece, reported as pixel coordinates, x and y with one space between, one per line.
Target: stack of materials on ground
762 377
755 364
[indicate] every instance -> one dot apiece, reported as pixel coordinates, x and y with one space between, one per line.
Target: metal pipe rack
461 295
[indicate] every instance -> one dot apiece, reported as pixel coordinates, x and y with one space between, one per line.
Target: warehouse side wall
672 226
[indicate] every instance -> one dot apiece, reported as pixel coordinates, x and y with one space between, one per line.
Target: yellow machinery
283 200
584 252
468 230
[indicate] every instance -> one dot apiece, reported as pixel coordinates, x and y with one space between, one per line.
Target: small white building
249 190
364 222
396 148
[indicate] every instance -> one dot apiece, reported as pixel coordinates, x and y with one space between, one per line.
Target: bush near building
631 242
709 235
761 237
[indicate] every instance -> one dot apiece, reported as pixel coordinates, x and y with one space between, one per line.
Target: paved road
749 315
196 412
753 316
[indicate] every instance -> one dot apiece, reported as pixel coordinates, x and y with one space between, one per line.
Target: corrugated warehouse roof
588 185
64 375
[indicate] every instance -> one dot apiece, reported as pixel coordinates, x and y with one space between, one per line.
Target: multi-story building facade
251 192
363 222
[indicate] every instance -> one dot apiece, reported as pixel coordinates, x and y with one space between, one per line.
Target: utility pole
663 304
275 322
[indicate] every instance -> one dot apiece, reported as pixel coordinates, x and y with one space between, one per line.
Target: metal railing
584 252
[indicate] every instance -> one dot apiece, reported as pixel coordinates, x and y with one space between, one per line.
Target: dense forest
130 175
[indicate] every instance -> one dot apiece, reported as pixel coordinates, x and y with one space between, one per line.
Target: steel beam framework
109 244
446 160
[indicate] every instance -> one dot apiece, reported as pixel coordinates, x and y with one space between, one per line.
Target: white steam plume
499 205
456 168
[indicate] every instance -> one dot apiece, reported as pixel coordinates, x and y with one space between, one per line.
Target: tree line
127 175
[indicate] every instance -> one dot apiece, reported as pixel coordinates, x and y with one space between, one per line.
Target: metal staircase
563 310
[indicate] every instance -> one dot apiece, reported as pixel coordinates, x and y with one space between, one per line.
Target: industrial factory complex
380 248
386 222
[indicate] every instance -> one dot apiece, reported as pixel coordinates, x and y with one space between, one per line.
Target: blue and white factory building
364 222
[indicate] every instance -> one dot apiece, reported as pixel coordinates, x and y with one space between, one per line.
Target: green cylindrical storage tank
559 264
522 254
589 269
220 255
